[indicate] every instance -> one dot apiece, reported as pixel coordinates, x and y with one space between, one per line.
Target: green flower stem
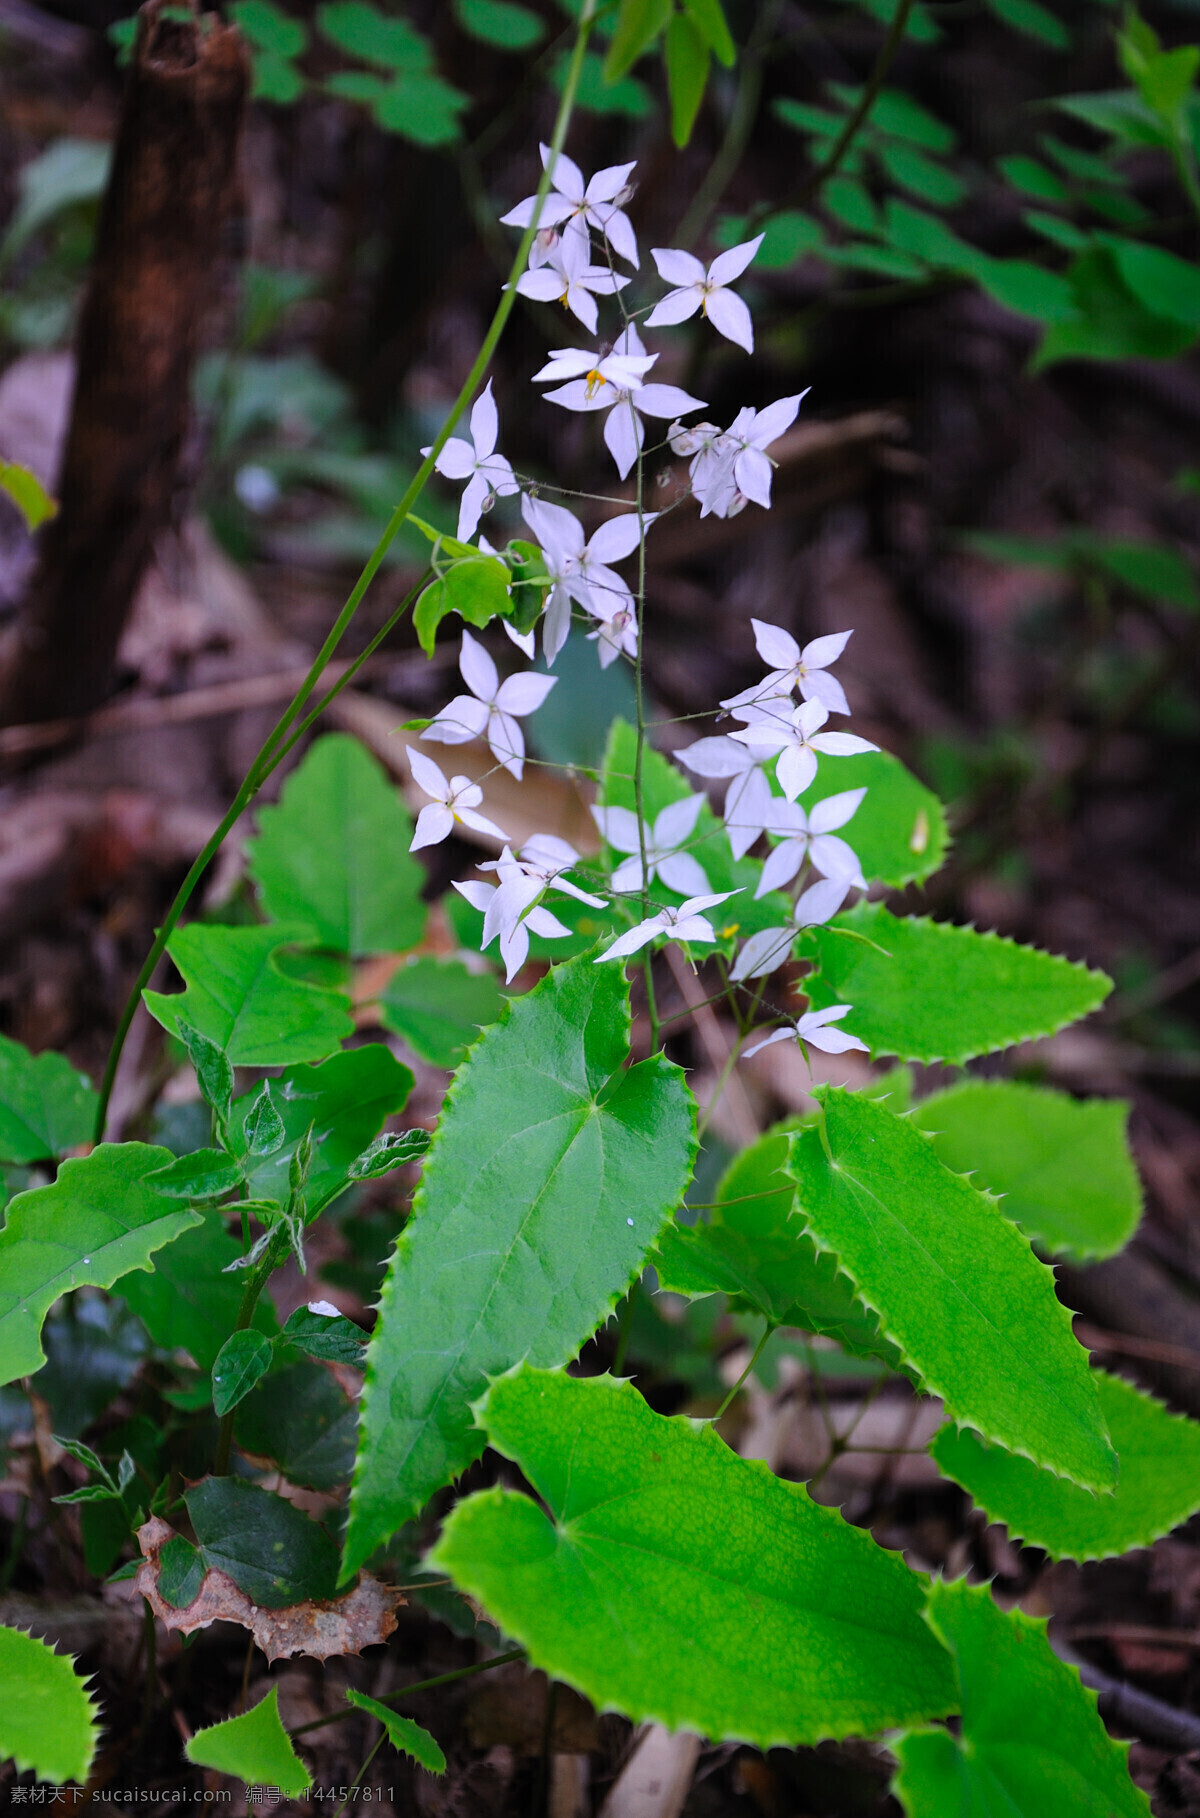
408 1691
357 1781
770 1328
275 747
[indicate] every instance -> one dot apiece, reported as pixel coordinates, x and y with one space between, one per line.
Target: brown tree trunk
158 246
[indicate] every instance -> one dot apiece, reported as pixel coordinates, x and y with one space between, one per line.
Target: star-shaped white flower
504 915
799 743
811 836
750 433
771 946
477 463
582 204
453 801
579 570
678 870
749 802
624 434
791 667
683 924
542 863
568 278
599 369
616 635
812 1028
710 468
491 709
697 288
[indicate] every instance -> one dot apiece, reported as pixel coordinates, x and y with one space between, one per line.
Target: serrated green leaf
237 996
320 1335
46 1105
1061 1164
299 1418
476 588
1034 20
269 1548
686 55
437 1007
375 36
255 1747
899 830
1159 1485
639 24
334 855
188 1302
47 1717
955 1286
1032 1744
204 1174
101 1217
550 1176
27 493
794 1627
942 993
710 21
344 1101
402 1732
753 1249
912 170
501 23
242 1361
1110 322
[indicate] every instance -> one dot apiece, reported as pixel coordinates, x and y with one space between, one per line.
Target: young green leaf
1032 1744
500 22
102 1217
1159 1485
237 996
263 1130
344 1101
923 176
899 830
75 1448
437 1007
242 1361
47 1716
190 1302
46 1106
211 1064
204 1174
375 36
394 1149
476 588
955 1286
255 1747
27 493
1109 322
551 1174
639 24
334 854
1061 1164
686 54
757 1615
300 1419
269 1548
402 1732
333 1339
941 993
709 20
1034 20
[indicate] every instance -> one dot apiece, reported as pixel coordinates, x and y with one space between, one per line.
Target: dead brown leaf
363 1618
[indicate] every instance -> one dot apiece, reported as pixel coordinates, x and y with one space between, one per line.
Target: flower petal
777 647
753 473
619 827
820 652
833 858
477 669
634 941
819 685
577 394
771 423
581 303
525 693
795 770
478 895
780 1035
556 624
730 317
427 775
618 231
816 904
524 640
609 182
781 866
464 718
623 435
666 401
470 506
841 744
715 757
485 424
557 530
618 537
676 822
835 1041
762 953
680 871
565 363
507 741
480 823
434 822
676 267
457 460
676 306
731 264
545 285
835 810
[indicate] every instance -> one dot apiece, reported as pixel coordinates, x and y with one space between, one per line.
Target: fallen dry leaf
363 1618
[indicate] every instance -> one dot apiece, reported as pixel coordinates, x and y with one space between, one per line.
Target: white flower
477 463
616 635
543 860
748 435
624 434
799 743
749 802
705 290
569 279
506 915
771 946
682 924
618 370
678 870
711 467
453 801
792 667
811 836
811 1029
489 711
325 1308
579 570
582 204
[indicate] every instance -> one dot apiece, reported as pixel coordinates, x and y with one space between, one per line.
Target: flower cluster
771 758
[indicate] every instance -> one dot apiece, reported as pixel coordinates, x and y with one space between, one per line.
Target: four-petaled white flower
453 801
711 468
490 710
812 1029
579 570
683 924
799 743
478 464
678 870
615 635
697 288
568 278
749 803
811 836
582 204
507 912
752 431
624 433
542 862
771 946
621 371
792 667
